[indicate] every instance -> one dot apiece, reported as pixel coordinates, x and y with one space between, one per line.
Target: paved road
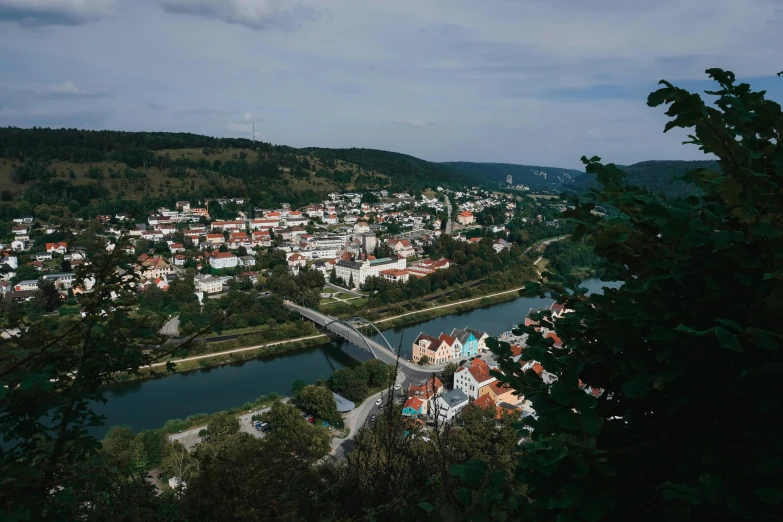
171 328
448 219
341 289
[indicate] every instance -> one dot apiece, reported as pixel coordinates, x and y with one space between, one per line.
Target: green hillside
535 177
657 176
105 172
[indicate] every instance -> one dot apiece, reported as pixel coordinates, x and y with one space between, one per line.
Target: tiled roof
485 401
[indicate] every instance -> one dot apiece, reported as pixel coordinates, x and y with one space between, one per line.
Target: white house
466 218
247 261
208 284
472 378
331 219
501 244
220 260
450 404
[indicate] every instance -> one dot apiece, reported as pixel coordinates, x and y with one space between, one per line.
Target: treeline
131 148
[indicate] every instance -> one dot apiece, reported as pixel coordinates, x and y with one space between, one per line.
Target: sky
540 82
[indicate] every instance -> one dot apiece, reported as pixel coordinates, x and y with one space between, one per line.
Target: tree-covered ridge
412 170
535 177
664 176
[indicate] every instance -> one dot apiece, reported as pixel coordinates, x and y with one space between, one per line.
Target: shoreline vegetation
246 347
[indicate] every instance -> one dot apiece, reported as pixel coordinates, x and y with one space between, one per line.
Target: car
311 419
397 386
331 428
379 402
325 424
373 417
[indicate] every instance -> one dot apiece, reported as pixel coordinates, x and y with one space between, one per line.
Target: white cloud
414 123
37 13
255 14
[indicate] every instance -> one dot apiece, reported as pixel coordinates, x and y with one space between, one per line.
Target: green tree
48 296
26 273
319 401
691 337
222 426
297 387
351 383
447 373
424 360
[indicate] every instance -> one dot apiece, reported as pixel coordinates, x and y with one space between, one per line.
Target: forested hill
656 176
537 178
110 171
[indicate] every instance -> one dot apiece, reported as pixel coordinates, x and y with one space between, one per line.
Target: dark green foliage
686 354
319 401
354 382
569 257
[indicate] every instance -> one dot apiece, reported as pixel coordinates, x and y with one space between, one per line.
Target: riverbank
247 348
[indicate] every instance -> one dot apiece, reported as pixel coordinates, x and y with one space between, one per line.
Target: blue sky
523 81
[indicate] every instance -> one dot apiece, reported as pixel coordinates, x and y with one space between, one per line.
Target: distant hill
410 171
115 171
656 176
537 178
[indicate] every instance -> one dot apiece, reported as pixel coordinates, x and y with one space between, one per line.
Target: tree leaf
727 339
763 339
689 330
772 496
638 388
426 506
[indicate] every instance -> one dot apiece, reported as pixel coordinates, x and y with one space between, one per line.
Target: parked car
379 402
311 419
325 424
397 386
331 428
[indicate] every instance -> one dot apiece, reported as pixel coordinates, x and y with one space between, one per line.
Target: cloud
151 105
259 15
39 13
415 123
70 90
53 117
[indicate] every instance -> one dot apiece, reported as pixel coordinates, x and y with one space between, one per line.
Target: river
149 404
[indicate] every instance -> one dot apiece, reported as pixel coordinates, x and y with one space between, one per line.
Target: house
28 285
435 349
24 220
20 230
228 225
43 256
221 260
208 284
247 261
153 267
470 345
450 404
401 247
331 219
472 379
501 244
57 248
296 260
178 260
396 276
361 227
413 407
466 218
176 248
359 271
426 392
216 239
481 337
486 402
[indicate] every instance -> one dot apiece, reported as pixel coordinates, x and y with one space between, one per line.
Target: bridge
349 329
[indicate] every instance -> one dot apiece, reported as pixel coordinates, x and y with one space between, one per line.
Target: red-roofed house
395 275
426 392
57 248
472 379
485 401
401 247
435 349
413 407
465 218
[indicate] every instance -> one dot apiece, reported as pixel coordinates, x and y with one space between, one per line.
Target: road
448 219
341 289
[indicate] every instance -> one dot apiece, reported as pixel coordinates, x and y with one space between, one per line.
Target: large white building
208 284
223 260
359 271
